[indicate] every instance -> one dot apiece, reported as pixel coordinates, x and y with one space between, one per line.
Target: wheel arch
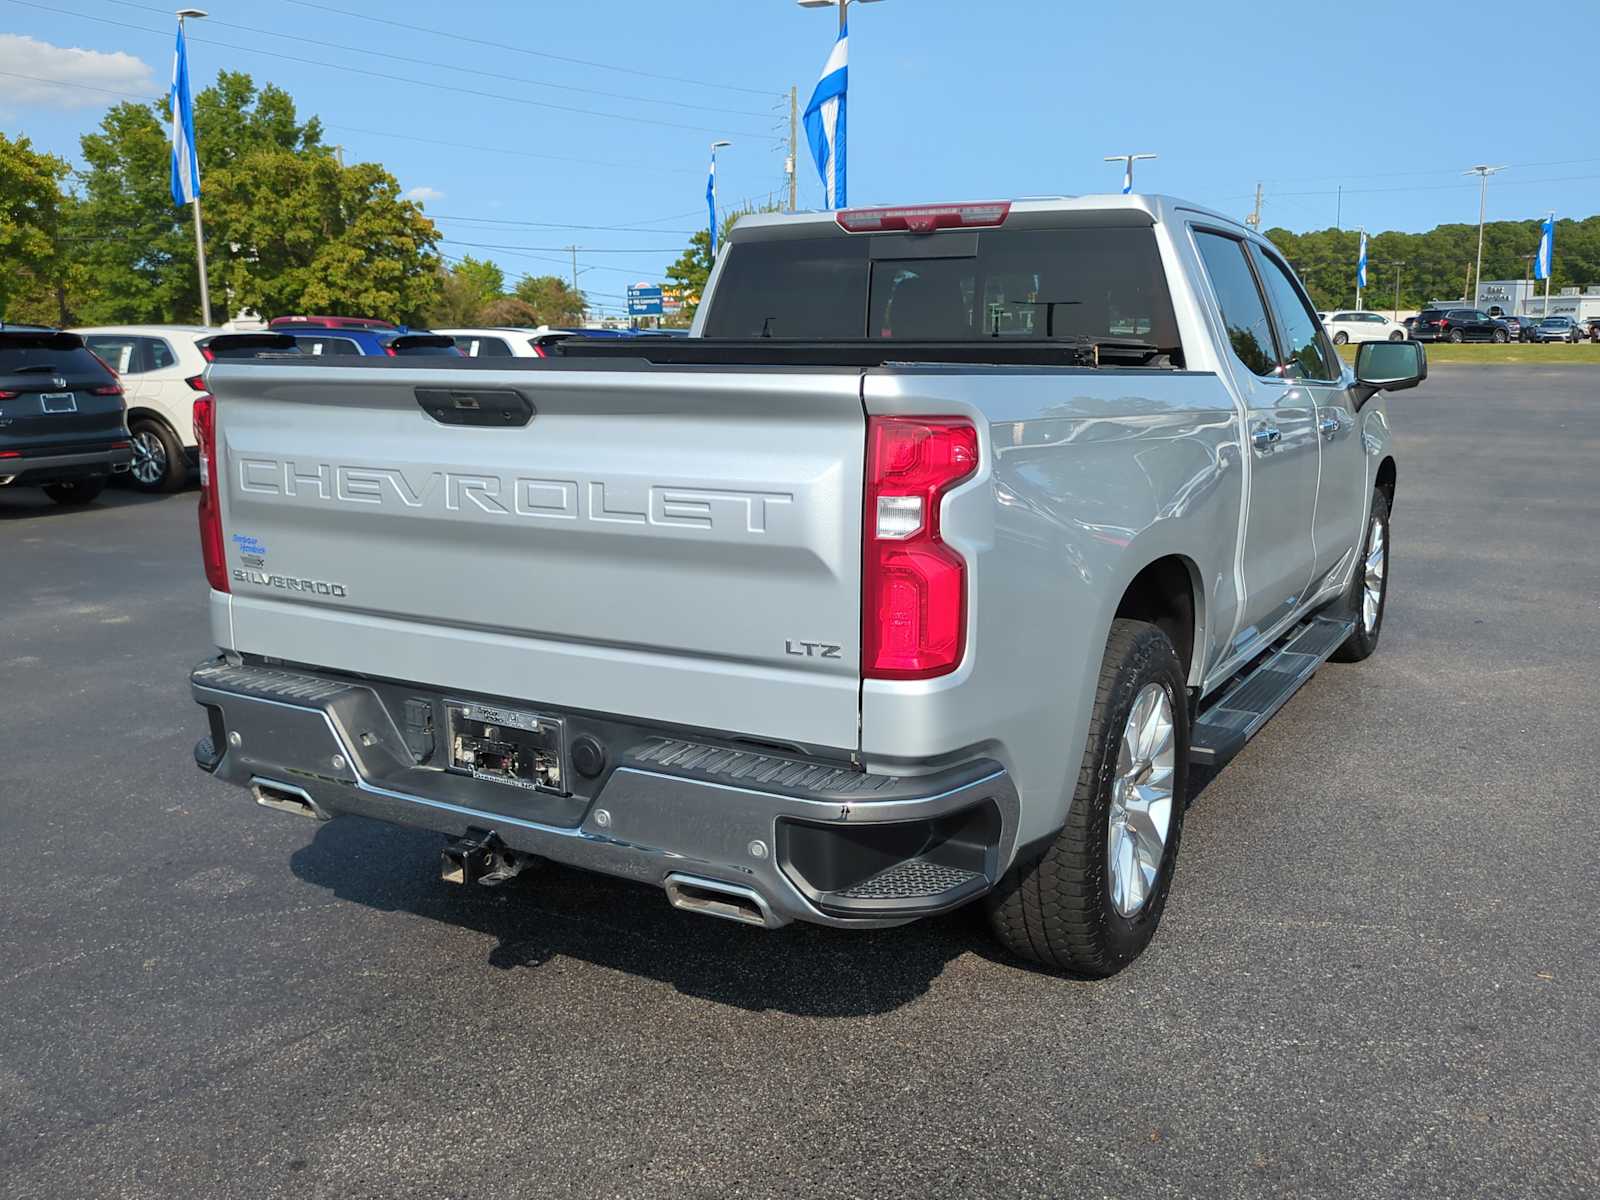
1384 480
1168 593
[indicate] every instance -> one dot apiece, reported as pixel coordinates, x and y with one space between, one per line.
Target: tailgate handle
503 407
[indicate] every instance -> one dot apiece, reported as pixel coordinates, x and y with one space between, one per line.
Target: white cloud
424 194
37 73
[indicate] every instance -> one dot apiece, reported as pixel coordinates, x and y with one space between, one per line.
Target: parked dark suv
63 423
1458 325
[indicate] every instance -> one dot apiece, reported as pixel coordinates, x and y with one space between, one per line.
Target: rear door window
1307 354
1244 312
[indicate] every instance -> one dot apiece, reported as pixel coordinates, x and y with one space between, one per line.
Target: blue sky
947 100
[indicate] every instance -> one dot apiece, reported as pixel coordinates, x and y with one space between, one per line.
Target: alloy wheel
1141 800
1372 580
149 458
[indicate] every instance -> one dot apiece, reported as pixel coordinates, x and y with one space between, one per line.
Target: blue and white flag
825 122
185 163
711 203
1361 264
1547 248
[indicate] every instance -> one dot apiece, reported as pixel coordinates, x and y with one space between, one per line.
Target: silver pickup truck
921 573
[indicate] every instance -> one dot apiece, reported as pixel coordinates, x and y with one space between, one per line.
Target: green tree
288 228
508 310
30 216
552 298
693 267
465 291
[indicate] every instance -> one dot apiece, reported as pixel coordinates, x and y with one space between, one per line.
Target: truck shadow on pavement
552 912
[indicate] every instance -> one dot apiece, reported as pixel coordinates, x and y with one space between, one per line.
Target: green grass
1516 353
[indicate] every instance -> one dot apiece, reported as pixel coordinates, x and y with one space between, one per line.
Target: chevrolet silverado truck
921 572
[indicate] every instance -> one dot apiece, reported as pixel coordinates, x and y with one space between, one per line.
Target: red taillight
914 587
924 218
390 351
538 350
197 382
10 453
106 389
207 353
205 436
5 395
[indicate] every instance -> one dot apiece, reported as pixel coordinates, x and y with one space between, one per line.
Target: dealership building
1516 297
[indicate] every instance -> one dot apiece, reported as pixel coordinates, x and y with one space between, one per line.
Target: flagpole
199 226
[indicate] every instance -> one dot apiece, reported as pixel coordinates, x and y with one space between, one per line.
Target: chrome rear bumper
813 841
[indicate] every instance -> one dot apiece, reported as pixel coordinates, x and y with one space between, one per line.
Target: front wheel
1397 336
73 492
1340 338
1500 336
1089 902
1369 590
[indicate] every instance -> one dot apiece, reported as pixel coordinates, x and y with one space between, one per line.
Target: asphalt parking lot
1379 974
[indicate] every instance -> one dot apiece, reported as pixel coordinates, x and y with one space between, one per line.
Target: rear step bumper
726 831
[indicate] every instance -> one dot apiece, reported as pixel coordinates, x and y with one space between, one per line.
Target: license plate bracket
58 402
507 746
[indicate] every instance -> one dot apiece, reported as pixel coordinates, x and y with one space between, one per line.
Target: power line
345 68
366 19
558 225
427 62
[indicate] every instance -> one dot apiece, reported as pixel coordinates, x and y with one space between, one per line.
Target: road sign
644 300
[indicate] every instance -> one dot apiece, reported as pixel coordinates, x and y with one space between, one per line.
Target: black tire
1341 338
1500 336
1364 641
76 491
156 445
1054 906
1457 336
1397 336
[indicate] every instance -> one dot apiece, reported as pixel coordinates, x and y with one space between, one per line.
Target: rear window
999 283
38 356
326 346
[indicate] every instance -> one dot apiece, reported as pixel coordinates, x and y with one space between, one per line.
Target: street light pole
1396 264
199 228
1483 173
843 5
1128 160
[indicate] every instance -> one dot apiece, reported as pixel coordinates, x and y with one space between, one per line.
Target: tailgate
660 545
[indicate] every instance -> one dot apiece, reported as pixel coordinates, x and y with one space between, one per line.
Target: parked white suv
161 368
1355 325
494 343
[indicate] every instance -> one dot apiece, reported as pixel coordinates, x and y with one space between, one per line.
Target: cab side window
1307 353
159 354
1243 311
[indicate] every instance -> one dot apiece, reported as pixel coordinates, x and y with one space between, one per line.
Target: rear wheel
76 491
1457 336
1397 336
1089 902
158 464
1340 338
1369 590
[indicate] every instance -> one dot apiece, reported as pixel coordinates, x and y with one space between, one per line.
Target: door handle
1265 435
1330 426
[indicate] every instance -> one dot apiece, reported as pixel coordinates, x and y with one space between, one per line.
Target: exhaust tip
713 898
284 798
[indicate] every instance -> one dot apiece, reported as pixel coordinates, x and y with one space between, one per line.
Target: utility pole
1483 173
1128 160
1396 264
791 167
1338 211
1254 219
575 290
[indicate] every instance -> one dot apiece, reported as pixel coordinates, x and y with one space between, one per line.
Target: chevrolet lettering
917 575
